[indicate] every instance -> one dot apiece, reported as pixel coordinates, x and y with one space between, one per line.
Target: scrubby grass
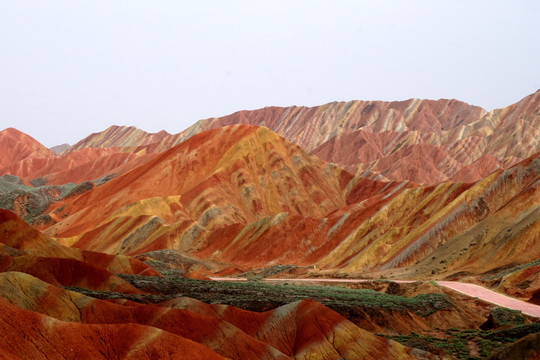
504 316
258 295
456 342
511 270
261 296
36 198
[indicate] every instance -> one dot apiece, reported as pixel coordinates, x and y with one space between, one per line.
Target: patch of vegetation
79 189
39 182
506 316
514 333
29 201
261 296
104 179
510 270
455 346
258 295
267 272
456 342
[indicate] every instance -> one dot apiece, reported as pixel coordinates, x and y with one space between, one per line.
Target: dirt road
464 288
492 297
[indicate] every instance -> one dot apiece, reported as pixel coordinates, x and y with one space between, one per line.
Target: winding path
464 288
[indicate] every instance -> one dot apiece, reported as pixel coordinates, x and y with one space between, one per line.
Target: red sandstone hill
231 175
26 158
24 249
225 194
119 137
401 140
368 136
16 146
69 324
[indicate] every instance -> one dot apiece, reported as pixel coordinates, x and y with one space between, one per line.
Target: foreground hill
101 329
37 309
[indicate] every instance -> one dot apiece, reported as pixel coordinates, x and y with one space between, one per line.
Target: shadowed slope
30 335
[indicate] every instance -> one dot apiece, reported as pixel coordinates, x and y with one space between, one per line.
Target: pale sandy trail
464 288
492 297
307 280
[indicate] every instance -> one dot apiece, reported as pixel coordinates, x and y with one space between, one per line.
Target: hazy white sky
70 68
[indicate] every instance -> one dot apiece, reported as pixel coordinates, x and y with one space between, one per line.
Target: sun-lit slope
364 233
302 329
16 146
310 127
75 167
18 239
294 239
507 207
236 174
119 136
471 150
398 228
414 225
